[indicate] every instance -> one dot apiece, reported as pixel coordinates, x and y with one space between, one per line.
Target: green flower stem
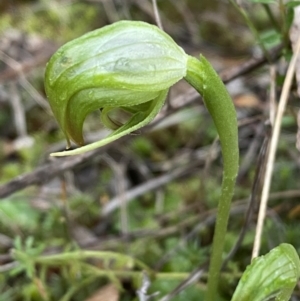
202 76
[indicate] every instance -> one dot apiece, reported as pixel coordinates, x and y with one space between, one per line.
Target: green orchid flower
127 65
130 66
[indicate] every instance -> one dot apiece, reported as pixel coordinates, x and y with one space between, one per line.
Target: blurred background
151 195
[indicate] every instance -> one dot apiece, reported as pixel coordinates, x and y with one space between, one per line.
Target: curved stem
202 76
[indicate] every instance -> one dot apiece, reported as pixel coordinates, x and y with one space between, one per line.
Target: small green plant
130 66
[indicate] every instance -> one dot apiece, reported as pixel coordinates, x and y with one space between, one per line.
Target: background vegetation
150 196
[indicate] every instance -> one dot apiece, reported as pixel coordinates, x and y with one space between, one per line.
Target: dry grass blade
157 16
272 152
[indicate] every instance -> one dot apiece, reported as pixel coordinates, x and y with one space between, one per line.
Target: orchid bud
128 65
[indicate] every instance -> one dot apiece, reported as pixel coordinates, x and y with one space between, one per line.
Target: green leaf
271 276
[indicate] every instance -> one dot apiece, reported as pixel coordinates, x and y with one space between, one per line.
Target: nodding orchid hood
129 65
